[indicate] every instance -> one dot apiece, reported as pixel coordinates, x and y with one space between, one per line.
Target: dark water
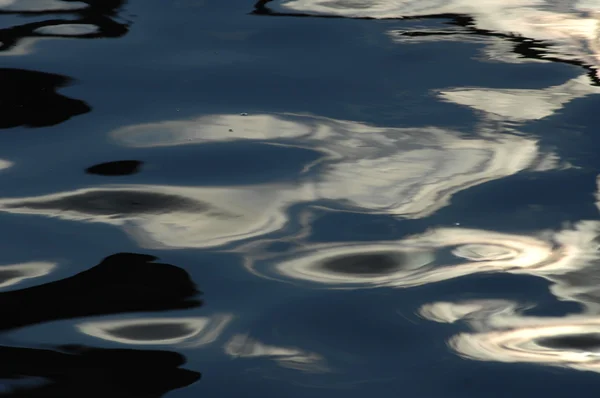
299 198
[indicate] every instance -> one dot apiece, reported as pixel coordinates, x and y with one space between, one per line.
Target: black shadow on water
116 168
121 283
79 371
29 98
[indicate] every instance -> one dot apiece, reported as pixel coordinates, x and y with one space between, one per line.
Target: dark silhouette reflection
124 282
584 342
121 283
118 168
29 98
94 19
79 371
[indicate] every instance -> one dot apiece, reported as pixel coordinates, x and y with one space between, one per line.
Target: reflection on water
30 98
15 273
421 259
503 334
150 331
558 31
408 172
117 168
169 216
242 346
121 283
400 172
86 19
74 371
521 105
40 5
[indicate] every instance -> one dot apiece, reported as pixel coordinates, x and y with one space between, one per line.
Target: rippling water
299 198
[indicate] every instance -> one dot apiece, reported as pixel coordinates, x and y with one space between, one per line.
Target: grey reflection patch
366 264
193 332
68 29
112 202
165 331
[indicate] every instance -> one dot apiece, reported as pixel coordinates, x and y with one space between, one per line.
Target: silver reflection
40 5
5 164
14 274
502 334
419 259
68 29
570 28
521 105
168 216
407 172
193 332
242 346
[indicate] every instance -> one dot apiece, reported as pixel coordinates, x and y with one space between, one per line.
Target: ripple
408 172
195 332
242 346
503 335
422 259
356 264
407 262
168 217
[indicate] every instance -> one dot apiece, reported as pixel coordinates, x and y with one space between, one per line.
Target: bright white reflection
14 274
502 334
570 29
408 172
438 255
40 5
168 216
68 29
158 331
242 346
520 104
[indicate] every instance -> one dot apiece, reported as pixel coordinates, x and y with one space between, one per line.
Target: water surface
299 198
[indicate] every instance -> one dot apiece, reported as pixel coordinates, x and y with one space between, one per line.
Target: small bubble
231 130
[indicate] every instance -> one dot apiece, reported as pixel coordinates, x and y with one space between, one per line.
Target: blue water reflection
379 197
